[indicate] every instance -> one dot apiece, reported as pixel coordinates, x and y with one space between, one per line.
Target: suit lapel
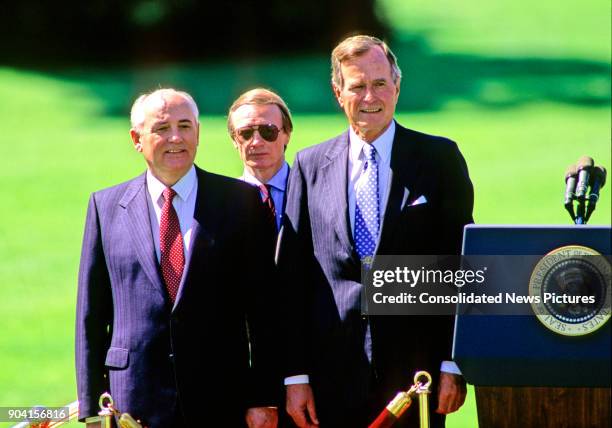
134 201
405 168
201 238
334 183
285 193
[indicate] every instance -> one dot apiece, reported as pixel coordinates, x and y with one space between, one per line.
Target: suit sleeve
457 203
295 260
93 318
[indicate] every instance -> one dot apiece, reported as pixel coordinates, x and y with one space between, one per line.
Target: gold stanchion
126 421
423 392
107 413
402 401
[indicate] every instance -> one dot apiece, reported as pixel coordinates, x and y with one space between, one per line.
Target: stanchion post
423 392
107 413
402 401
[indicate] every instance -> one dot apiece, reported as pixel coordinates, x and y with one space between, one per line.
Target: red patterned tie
171 245
266 190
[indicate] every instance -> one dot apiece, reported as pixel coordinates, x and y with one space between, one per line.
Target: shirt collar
278 181
382 144
183 187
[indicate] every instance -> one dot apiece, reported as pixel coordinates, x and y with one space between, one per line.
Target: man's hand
262 417
300 405
451 393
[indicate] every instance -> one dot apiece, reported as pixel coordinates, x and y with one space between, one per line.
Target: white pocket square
420 200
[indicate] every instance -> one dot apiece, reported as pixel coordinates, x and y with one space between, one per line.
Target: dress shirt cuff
298 379
449 367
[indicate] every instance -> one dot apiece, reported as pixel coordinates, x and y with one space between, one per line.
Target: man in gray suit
166 286
378 188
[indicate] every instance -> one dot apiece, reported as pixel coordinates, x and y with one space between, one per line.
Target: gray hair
137 114
356 46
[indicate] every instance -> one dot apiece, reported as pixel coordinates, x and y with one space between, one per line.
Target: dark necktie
171 245
266 191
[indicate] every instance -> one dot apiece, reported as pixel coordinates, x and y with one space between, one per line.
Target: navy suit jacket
152 355
321 271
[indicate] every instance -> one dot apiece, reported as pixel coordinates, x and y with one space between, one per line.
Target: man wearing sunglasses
260 126
161 303
378 188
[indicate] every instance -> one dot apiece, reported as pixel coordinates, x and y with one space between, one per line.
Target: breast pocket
415 212
414 221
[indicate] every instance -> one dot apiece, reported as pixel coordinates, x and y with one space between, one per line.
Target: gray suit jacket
159 360
321 270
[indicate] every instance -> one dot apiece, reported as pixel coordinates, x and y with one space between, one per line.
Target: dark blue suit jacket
151 355
321 272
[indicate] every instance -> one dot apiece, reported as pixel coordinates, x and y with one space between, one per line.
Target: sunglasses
268 132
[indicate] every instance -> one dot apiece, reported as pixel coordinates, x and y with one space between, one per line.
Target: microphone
571 174
598 180
584 166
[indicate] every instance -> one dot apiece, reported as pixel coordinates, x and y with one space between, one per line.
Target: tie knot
266 189
369 151
169 194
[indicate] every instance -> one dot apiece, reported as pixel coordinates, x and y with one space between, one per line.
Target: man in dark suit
378 188
167 286
260 125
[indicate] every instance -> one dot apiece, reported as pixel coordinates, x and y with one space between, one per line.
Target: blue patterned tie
367 223
367 217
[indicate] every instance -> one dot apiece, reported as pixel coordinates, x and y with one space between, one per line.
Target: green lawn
524 91
520 28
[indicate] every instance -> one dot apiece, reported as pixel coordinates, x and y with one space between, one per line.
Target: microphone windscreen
571 171
585 162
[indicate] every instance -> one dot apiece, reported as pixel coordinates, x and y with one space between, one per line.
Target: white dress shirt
183 202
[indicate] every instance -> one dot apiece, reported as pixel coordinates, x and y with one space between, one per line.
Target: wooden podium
525 374
511 407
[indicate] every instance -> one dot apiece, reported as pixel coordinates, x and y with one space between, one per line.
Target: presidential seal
571 290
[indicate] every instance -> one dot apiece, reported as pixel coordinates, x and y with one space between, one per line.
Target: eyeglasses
268 132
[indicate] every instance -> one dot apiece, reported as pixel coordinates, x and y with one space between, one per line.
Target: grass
517 157
502 27
524 91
